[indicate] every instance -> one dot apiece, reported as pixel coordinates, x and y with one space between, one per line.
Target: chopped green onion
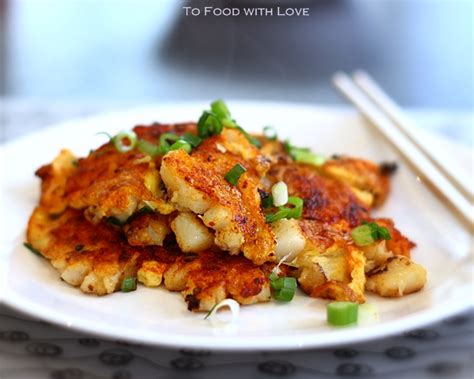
129 284
30 247
286 212
164 144
147 147
193 140
362 235
119 139
283 288
308 157
208 125
280 214
235 173
341 313
297 210
384 233
230 123
105 134
270 133
219 108
212 122
272 276
280 194
267 202
214 318
251 139
368 233
303 154
180 144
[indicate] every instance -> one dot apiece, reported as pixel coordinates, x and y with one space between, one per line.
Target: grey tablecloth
34 349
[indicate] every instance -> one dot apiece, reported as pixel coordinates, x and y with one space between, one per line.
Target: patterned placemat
35 349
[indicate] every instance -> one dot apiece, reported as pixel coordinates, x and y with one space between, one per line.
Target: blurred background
109 52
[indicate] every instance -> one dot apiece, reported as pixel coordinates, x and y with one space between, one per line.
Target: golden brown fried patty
194 196
108 183
97 258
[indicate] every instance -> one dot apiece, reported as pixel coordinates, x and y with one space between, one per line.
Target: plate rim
277 343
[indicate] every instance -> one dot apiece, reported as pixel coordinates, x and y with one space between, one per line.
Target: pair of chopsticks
362 91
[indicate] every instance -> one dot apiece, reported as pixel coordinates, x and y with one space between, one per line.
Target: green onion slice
280 194
180 144
208 125
362 235
285 212
235 173
129 284
280 214
147 147
193 140
30 247
368 233
267 202
105 134
283 288
251 139
297 210
217 320
270 133
219 108
341 313
212 122
303 154
308 157
164 141
119 141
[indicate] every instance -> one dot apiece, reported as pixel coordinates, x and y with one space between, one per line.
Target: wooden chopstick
423 165
400 120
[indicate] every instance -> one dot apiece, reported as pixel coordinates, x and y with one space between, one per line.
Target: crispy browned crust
362 174
111 182
98 257
326 200
209 277
53 181
205 170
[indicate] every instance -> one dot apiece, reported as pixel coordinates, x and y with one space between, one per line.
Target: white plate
156 316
